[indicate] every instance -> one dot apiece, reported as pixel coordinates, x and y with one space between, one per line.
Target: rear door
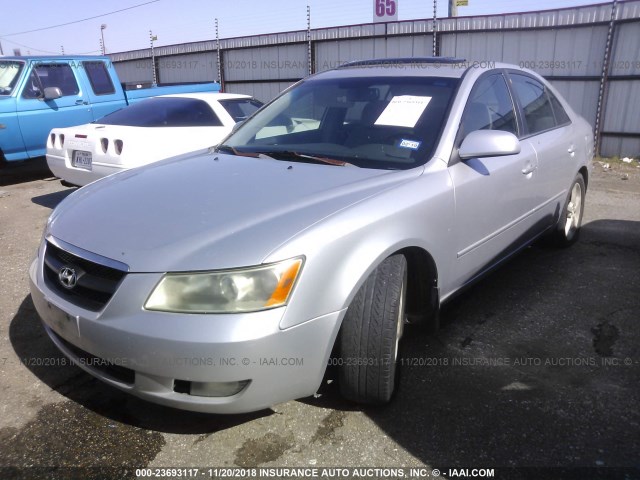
38 116
549 131
494 195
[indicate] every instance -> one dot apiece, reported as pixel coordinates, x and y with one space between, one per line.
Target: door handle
81 102
571 150
528 169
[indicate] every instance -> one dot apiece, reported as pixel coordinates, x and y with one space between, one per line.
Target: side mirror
488 143
51 93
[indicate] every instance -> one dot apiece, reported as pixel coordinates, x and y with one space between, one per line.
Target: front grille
117 372
95 285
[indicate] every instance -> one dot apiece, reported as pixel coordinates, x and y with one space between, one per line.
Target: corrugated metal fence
570 47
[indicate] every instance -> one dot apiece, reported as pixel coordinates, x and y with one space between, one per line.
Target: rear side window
489 107
99 78
240 109
558 110
164 112
51 75
538 112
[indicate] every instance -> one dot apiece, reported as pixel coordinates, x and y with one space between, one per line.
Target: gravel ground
538 365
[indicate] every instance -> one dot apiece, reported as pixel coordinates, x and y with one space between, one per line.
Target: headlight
226 291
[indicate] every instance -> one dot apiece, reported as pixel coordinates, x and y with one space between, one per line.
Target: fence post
604 79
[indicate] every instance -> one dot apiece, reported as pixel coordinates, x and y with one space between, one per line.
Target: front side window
164 112
489 107
538 112
9 75
372 122
58 75
99 78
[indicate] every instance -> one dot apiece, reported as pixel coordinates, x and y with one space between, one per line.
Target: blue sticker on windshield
411 144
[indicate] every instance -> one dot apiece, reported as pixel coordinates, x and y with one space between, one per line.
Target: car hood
209 211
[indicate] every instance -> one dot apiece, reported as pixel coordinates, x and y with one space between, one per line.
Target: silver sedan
359 200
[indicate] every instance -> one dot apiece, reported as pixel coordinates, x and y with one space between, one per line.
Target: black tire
567 229
370 335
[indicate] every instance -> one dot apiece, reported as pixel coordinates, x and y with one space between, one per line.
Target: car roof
413 67
208 96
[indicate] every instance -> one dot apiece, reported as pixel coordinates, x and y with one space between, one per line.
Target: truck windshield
9 74
371 122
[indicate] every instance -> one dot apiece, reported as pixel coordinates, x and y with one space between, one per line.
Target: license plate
62 323
82 159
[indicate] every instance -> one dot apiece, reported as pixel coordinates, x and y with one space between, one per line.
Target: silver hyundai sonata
360 199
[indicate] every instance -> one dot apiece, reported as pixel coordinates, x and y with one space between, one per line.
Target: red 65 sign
385 10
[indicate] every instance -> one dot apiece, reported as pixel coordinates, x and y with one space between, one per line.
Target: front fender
343 249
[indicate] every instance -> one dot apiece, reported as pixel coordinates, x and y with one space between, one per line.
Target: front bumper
161 352
61 168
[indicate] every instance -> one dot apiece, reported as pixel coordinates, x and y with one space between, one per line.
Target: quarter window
99 78
561 115
53 75
489 107
538 112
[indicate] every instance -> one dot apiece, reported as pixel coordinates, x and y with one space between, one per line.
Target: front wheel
568 227
371 333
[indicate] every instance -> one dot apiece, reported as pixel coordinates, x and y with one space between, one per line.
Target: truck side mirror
51 93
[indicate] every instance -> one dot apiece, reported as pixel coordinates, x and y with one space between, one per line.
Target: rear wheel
568 227
371 333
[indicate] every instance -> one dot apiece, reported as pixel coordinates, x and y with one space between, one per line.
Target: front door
38 116
494 196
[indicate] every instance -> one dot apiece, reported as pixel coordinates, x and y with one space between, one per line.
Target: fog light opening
209 389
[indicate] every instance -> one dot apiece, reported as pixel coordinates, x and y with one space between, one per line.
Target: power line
45 51
78 21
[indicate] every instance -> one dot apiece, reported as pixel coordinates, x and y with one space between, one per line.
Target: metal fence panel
623 107
581 95
267 63
263 91
620 147
195 67
134 70
626 50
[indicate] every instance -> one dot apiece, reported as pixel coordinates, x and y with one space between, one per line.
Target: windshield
9 74
370 122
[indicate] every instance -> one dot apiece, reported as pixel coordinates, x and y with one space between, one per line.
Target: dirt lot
536 366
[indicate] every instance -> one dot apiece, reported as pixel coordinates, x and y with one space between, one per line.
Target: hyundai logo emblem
68 277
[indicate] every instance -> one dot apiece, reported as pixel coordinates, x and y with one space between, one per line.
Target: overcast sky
178 21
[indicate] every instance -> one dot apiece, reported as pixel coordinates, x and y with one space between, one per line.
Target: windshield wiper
233 151
290 154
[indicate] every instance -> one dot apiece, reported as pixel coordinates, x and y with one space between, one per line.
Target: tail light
53 139
62 140
118 146
104 142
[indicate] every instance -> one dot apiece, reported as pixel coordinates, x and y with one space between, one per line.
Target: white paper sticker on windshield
403 111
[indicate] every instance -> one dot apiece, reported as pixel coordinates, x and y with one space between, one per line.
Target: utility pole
103 47
1 51
309 39
435 9
219 55
153 37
